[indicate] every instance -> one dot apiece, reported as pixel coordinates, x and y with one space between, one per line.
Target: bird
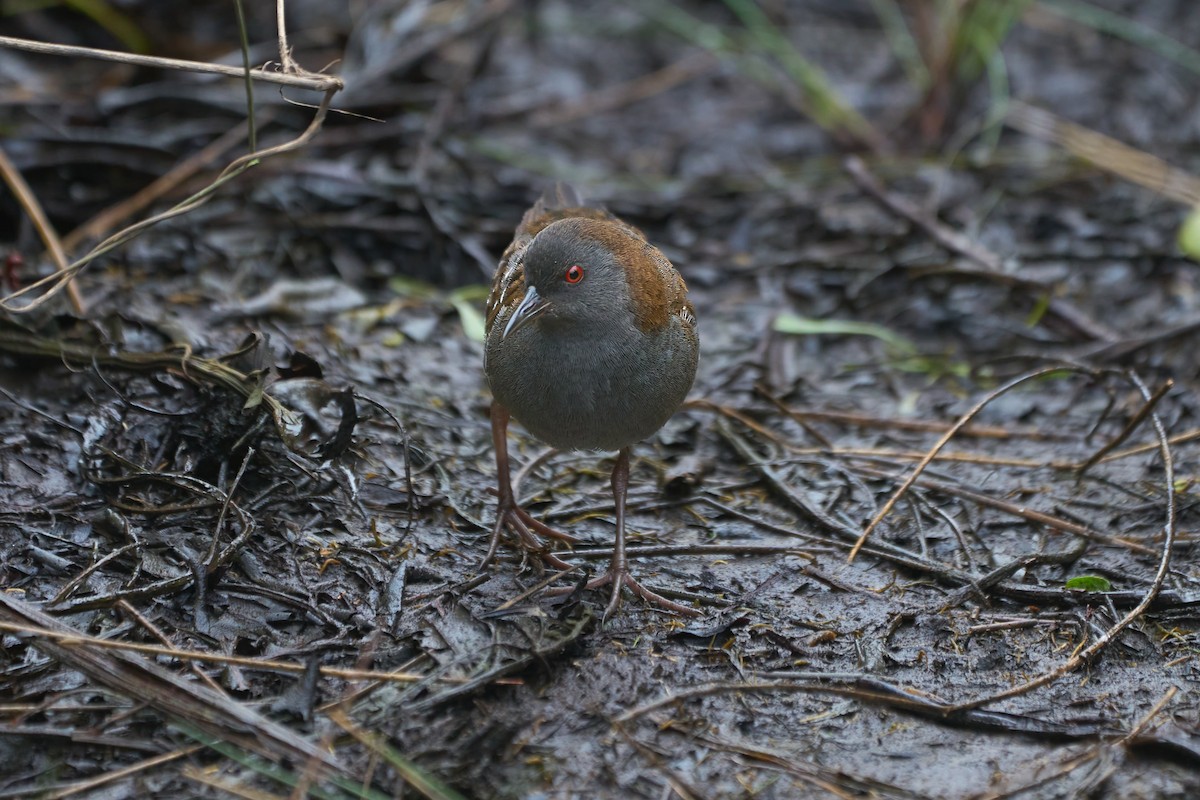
591 344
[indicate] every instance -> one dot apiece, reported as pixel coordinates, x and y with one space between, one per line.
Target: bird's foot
619 578
516 519
531 522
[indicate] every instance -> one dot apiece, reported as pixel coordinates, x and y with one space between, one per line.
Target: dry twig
955 242
1164 563
944 440
63 277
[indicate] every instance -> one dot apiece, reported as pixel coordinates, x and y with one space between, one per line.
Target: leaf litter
246 498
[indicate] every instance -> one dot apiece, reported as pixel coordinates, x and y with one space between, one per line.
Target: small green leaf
255 397
800 326
464 300
1089 583
935 367
119 25
407 287
1189 235
472 321
475 292
1038 311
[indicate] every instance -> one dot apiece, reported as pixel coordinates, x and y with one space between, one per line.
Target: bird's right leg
508 513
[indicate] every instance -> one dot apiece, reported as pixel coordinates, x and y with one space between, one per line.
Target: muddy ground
860 291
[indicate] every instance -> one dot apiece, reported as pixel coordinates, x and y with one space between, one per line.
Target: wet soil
268 438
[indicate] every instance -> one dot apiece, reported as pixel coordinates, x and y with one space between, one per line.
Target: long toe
622 578
542 528
655 598
511 516
614 599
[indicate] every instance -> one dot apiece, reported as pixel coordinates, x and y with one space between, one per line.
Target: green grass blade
807 326
1125 28
903 44
826 106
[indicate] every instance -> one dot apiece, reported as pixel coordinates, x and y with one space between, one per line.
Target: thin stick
1164 564
62 277
29 202
214 548
286 61
244 39
128 608
1110 155
942 442
1137 419
956 242
305 80
1041 518
532 590
918 425
1145 721
1140 449
76 639
83 786
640 88
112 216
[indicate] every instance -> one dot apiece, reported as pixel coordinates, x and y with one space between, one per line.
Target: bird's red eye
574 274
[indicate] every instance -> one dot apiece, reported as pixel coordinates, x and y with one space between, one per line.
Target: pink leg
618 569
508 513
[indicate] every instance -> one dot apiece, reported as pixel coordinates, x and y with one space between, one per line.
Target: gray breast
583 389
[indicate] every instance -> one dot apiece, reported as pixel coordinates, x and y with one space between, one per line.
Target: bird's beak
531 305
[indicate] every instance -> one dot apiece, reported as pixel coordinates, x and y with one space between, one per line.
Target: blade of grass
998 87
752 51
416 777
826 106
244 41
1127 29
345 790
981 31
119 25
1189 234
903 44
